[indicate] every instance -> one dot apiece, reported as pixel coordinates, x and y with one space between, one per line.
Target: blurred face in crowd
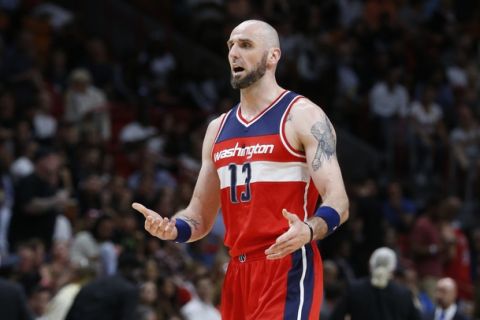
60 250
148 292
428 97
445 292
204 289
80 86
27 259
394 191
49 167
253 50
39 301
7 107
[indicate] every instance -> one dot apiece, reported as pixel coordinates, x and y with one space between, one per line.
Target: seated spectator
398 210
426 247
86 105
148 298
59 305
429 135
465 145
39 198
38 301
96 247
201 307
388 105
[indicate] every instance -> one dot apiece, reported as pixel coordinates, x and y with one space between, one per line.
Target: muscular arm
315 133
203 207
309 129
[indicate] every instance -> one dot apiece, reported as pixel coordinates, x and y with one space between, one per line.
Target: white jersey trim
282 133
248 124
222 124
304 255
302 280
265 171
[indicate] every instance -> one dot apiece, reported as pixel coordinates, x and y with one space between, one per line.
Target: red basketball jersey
260 174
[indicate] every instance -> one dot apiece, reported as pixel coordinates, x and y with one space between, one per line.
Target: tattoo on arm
323 133
194 223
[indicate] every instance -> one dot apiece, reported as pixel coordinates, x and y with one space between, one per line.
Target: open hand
293 239
157 226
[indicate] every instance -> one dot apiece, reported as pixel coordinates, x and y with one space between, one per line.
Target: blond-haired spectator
86 105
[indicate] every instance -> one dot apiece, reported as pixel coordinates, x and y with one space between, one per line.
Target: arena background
122 92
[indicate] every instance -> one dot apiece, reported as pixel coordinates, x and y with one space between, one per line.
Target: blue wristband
184 231
330 215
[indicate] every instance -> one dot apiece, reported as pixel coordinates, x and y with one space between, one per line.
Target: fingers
280 251
145 211
162 228
289 241
290 217
284 245
141 208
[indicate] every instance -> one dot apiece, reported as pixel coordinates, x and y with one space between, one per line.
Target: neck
259 95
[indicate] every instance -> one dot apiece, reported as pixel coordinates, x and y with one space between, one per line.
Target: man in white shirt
201 307
388 105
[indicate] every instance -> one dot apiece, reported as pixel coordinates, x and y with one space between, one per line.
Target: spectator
398 209
378 296
334 288
445 298
427 249
44 124
148 297
421 300
457 249
59 305
86 105
6 199
112 297
388 104
38 301
96 247
13 304
39 198
429 135
465 145
201 307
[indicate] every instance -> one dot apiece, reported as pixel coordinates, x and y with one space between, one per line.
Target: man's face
247 56
445 294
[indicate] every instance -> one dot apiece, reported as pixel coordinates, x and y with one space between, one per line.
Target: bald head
253 53
446 292
263 31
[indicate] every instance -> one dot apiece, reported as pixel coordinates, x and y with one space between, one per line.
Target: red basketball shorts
290 288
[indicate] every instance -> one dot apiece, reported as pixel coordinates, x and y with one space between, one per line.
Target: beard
253 76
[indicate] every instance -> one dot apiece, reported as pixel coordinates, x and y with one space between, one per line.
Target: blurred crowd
85 131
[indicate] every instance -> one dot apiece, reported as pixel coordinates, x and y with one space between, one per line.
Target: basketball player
266 161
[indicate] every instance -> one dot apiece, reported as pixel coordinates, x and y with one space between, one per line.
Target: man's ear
274 55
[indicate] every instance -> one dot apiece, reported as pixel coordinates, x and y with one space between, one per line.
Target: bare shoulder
214 126
210 135
306 115
305 112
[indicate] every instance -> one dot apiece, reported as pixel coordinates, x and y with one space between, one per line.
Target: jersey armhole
283 137
222 123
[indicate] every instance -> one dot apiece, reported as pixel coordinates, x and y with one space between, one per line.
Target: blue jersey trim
267 124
